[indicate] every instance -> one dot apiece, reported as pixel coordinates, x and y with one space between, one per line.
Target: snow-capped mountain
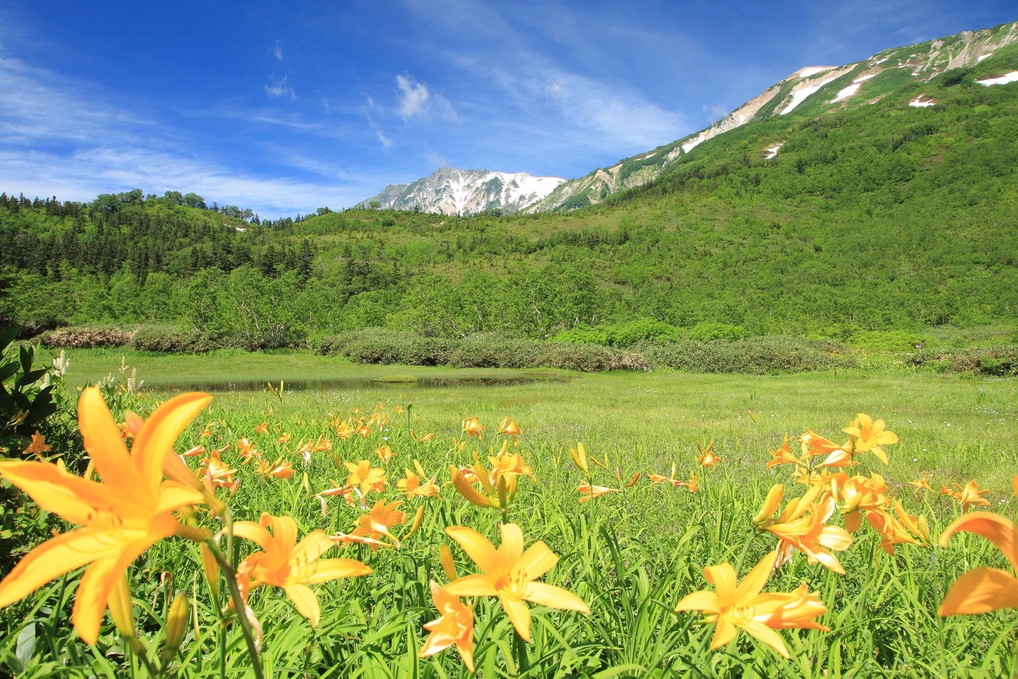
465 192
810 91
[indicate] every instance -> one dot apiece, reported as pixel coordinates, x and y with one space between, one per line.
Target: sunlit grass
630 555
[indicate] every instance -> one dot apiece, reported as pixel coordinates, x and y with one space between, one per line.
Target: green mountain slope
808 93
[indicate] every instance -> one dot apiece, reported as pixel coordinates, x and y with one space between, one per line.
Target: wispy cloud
277 51
59 137
279 87
416 101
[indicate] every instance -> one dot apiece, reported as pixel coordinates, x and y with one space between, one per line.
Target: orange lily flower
579 455
969 496
421 439
510 428
38 445
589 492
510 574
376 523
247 450
281 469
385 453
921 484
369 479
120 518
983 589
693 485
735 605
217 474
455 626
412 486
867 436
473 427
707 457
814 445
783 455
290 565
262 428
802 526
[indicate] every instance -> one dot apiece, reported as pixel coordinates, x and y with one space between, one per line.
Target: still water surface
421 382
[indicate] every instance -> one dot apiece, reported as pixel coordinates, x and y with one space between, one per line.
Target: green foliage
754 355
709 332
996 361
887 340
387 347
620 335
26 393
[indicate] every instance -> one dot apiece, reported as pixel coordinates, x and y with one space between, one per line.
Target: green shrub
887 340
170 339
495 351
626 335
378 346
998 361
707 332
621 336
755 355
582 334
588 358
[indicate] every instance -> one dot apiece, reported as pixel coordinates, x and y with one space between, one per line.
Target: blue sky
286 106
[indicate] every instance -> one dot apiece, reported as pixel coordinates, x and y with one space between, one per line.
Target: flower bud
176 625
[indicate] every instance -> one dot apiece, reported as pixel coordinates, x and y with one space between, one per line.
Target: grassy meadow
630 554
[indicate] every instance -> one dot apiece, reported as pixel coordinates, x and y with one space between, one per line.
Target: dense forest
874 218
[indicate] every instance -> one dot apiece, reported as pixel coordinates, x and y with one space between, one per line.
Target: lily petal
477 547
156 438
305 601
993 527
979 591
544 594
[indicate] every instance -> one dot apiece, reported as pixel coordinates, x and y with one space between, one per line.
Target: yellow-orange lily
867 436
783 455
473 427
291 565
120 518
510 574
376 523
734 605
455 626
589 492
511 429
707 457
983 589
969 496
802 526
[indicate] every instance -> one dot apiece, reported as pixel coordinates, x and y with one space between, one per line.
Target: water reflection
386 382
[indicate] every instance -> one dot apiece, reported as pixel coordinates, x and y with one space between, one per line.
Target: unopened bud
211 568
176 625
122 608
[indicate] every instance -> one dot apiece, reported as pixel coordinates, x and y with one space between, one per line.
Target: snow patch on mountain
464 192
1002 80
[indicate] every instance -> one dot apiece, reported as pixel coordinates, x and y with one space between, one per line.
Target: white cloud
413 97
280 88
416 101
277 51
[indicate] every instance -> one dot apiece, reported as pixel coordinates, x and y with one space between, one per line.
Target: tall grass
631 555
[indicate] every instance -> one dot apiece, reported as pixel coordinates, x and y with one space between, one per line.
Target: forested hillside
881 217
